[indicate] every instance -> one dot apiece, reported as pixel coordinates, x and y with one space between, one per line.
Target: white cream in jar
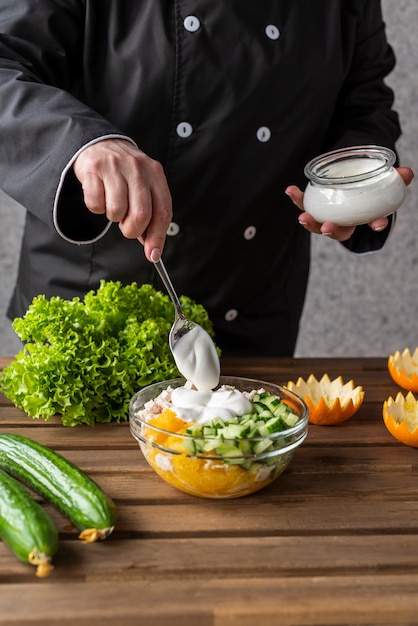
353 186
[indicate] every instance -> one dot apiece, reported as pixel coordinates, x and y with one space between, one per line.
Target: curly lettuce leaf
85 359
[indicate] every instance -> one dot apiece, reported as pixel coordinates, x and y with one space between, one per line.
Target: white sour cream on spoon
197 359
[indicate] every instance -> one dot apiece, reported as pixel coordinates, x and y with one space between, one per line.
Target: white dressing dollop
202 407
197 360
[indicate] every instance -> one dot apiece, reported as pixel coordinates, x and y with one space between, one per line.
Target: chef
188 124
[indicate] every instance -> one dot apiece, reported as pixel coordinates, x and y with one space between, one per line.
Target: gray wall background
356 306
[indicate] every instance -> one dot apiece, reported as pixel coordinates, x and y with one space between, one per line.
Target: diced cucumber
195 430
291 419
195 445
245 447
232 431
262 429
259 407
282 409
211 444
272 402
275 425
217 422
228 450
262 446
209 431
241 438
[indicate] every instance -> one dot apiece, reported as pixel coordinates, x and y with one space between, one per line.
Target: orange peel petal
401 418
329 401
404 369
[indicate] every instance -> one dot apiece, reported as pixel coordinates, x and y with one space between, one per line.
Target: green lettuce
85 359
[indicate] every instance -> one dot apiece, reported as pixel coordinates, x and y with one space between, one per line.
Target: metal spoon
182 324
197 359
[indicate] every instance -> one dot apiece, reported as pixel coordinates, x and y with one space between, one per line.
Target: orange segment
401 418
404 369
204 477
167 420
329 402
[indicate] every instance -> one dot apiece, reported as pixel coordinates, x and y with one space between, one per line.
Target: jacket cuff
364 240
72 219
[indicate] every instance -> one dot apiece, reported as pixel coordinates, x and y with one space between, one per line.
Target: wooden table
333 541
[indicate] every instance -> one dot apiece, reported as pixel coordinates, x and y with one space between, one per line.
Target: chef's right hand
130 188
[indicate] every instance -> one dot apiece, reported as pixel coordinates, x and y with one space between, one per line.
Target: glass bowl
191 464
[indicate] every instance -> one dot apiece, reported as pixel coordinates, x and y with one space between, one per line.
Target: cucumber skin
59 481
25 527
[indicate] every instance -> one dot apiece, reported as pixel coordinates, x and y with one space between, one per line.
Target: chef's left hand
339 233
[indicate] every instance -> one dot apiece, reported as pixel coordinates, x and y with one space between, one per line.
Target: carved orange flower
401 418
329 401
404 369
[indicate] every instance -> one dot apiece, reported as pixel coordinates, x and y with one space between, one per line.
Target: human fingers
99 168
329 229
160 220
150 211
407 174
296 195
140 200
381 223
93 192
305 219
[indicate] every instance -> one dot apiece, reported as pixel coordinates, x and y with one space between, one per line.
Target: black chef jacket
232 97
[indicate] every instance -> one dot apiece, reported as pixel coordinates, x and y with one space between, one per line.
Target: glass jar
353 186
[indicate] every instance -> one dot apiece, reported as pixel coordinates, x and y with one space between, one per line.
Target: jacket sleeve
364 113
42 124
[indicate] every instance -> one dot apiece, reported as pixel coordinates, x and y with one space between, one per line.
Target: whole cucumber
25 527
65 485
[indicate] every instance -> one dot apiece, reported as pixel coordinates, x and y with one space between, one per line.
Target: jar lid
325 170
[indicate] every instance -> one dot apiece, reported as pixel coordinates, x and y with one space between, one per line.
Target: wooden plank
113 436
237 557
229 518
393 458
139 486
356 431
389 599
154 510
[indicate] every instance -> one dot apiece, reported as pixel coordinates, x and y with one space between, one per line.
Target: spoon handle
160 267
